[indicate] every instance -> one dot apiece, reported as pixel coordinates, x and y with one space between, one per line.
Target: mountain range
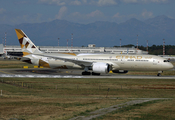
101 33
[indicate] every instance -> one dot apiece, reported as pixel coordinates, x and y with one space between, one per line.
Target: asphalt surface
55 73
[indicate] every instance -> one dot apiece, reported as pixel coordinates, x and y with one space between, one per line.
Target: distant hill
100 33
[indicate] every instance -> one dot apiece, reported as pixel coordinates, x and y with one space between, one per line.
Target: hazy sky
14 12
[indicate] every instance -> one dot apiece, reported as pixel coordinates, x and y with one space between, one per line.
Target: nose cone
167 66
170 66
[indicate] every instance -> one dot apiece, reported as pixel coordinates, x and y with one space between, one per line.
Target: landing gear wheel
159 74
95 73
86 73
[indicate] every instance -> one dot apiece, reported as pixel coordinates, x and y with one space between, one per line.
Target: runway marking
6 72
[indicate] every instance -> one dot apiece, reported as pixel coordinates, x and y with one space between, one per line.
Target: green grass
153 110
74 97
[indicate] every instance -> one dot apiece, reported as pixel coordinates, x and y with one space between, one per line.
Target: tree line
155 49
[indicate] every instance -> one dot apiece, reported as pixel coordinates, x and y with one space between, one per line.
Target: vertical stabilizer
26 44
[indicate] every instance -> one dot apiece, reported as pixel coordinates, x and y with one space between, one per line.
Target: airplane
91 63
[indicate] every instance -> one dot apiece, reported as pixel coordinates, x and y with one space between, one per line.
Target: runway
52 73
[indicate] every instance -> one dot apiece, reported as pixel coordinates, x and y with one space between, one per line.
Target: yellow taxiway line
6 72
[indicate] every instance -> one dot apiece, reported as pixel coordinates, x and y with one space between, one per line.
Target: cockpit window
166 61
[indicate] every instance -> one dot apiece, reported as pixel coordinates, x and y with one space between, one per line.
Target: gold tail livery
93 63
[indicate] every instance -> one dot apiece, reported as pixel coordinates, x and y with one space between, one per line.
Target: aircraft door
122 61
155 62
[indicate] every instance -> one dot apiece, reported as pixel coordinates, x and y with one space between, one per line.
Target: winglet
26 44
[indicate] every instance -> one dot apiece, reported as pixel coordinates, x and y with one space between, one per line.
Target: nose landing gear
159 73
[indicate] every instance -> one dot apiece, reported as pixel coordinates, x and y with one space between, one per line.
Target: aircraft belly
131 66
139 66
145 66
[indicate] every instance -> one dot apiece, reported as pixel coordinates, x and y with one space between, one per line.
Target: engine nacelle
101 68
120 71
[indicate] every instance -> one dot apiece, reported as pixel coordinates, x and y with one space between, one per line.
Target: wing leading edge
75 61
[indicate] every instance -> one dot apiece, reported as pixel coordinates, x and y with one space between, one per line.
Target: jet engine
119 71
101 68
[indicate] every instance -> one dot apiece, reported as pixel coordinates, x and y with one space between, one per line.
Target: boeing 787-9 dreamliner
91 63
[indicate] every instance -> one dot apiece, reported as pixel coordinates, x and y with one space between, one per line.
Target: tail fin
27 45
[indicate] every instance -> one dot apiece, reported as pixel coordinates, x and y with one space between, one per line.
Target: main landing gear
89 73
86 73
158 74
95 73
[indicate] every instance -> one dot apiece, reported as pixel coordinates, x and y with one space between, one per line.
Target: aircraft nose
170 66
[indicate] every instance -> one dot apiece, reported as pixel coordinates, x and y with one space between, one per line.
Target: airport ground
84 98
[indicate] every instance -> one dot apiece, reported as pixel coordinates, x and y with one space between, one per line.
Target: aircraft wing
78 62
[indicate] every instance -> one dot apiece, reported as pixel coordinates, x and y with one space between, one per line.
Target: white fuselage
118 61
